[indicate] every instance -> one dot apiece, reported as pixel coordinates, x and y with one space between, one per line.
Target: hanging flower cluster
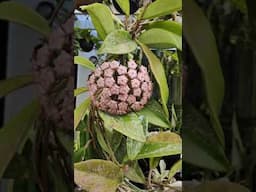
118 89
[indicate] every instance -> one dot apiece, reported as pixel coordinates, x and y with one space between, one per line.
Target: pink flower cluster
118 89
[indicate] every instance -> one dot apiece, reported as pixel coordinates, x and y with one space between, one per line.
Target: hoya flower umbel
118 89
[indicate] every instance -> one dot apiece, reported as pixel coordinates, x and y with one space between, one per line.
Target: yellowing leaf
124 5
80 90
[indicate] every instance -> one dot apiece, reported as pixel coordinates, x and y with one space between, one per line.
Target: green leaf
9 85
161 8
133 148
101 17
159 74
200 145
202 43
21 14
213 186
168 39
161 144
131 125
80 90
171 26
124 5
80 111
14 131
84 62
155 114
174 169
98 175
118 42
134 173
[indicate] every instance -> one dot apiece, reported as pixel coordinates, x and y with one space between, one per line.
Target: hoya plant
127 131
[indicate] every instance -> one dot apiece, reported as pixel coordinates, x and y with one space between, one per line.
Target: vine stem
56 11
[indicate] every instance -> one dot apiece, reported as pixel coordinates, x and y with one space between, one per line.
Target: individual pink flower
92 89
131 99
132 73
97 72
114 64
104 65
144 86
91 79
109 81
105 93
115 90
141 76
143 69
122 70
124 89
122 97
122 80
135 83
112 105
132 64
136 106
108 72
100 82
122 106
143 101
137 92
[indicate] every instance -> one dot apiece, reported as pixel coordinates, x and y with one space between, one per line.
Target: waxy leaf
198 33
171 26
168 39
80 90
161 8
12 134
21 14
159 74
174 169
213 186
101 17
134 173
9 85
133 148
84 62
80 111
98 175
155 115
200 145
124 5
131 125
118 42
161 144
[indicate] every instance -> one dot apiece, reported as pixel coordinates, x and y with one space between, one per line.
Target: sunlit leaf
159 74
124 5
162 8
98 175
84 62
155 114
21 14
80 111
14 131
131 125
14 83
168 39
161 144
198 33
101 17
118 42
